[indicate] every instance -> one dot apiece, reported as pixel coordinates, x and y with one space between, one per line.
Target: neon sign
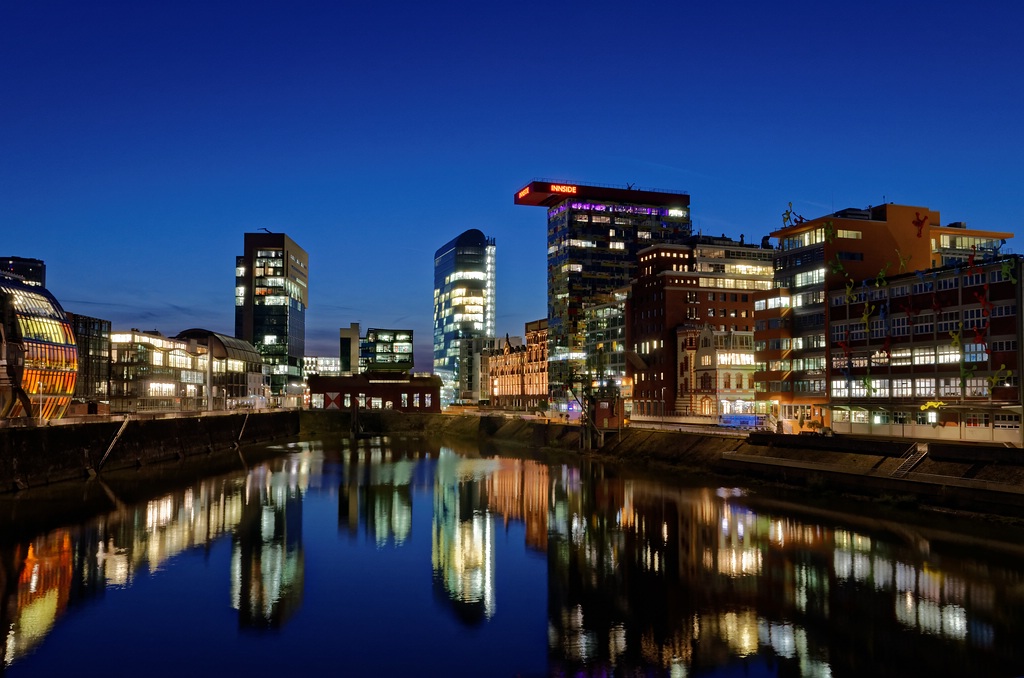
563 188
523 192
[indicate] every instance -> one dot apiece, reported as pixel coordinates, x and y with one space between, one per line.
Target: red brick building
375 391
708 282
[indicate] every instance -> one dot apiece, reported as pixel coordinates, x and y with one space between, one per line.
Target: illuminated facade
386 351
519 373
605 333
850 250
235 372
680 288
153 373
464 298
594 235
939 359
271 297
716 374
38 355
326 366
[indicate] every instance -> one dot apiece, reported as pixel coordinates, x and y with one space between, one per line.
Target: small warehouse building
376 391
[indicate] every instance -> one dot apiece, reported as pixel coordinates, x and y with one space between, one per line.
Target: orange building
853 249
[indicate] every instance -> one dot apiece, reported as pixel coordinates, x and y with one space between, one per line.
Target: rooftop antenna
265 229
629 186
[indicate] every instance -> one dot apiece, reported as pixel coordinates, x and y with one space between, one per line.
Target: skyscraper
32 271
271 296
463 302
594 234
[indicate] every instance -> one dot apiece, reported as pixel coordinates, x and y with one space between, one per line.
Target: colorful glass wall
42 358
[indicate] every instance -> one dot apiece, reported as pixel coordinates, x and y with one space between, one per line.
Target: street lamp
39 392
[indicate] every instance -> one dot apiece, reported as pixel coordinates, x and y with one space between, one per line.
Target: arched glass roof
223 346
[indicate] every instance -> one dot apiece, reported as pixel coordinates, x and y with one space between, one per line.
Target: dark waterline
391 558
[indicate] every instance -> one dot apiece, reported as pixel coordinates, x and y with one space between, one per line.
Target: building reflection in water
462 535
43 578
643 573
267 566
640 573
376 489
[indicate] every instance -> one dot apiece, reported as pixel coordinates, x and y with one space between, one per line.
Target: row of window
921 387
920 287
943 354
970 419
374 402
927 322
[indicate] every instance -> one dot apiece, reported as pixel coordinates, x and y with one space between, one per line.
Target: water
402 558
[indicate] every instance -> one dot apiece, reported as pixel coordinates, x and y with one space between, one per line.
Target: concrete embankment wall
963 477
970 477
512 430
35 456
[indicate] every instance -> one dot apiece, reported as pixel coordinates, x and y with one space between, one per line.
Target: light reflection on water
534 569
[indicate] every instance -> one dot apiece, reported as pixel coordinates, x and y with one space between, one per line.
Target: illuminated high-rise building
594 235
463 302
271 297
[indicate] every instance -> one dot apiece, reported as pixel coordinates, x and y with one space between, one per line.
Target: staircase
911 458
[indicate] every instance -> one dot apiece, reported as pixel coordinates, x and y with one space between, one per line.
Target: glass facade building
271 297
386 351
38 354
594 235
92 335
154 373
234 372
464 293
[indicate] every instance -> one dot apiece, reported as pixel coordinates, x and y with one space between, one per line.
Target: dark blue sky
140 140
